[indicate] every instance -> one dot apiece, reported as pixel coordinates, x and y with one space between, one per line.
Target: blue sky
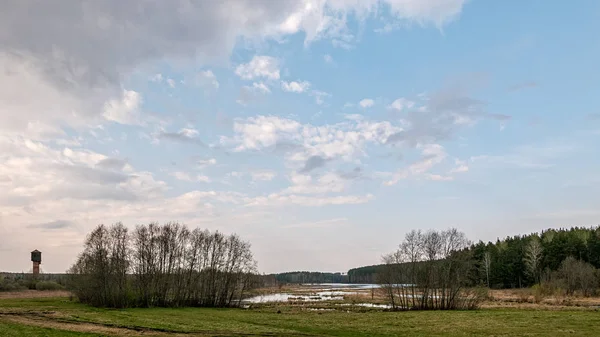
320 131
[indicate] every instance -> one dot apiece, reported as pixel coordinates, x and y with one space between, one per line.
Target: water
318 292
285 297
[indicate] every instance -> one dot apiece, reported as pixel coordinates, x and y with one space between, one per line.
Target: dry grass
34 294
526 298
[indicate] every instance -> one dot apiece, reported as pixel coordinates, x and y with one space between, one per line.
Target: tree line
299 277
562 258
162 265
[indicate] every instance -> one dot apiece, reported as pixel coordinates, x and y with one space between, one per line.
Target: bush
523 295
538 293
7 284
48 285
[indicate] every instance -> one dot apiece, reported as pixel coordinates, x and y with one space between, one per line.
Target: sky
321 131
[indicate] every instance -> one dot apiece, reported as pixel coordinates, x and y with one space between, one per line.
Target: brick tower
36 258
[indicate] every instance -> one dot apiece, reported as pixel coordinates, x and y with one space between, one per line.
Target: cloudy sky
319 130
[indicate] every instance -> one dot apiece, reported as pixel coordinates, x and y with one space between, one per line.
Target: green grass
13 330
292 321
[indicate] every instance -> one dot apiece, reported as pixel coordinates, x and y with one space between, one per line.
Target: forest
522 260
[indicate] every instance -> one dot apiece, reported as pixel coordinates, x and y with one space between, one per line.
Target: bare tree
533 258
165 265
435 264
487 263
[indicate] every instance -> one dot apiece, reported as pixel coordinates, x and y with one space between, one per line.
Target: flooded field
321 296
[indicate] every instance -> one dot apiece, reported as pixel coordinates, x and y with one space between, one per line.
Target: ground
61 316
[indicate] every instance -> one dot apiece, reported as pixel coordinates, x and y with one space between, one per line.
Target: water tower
36 258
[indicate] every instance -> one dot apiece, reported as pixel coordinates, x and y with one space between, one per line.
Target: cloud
437 117
185 135
201 163
208 79
52 225
305 184
345 141
260 87
311 201
297 87
328 58
258 175
46 171
318 224
187 177
253 92
499 117
461 167
366 103
523 85
112 164
259 67
263 175
319 96
532 156
313 162
356 173
431 155
73 82
401 104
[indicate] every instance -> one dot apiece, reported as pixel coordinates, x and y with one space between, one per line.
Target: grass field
61 317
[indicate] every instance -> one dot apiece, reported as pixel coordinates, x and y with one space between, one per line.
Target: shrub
48 285
523 295
538 293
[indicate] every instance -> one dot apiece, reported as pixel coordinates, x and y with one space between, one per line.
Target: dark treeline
523 261
166 265
299 277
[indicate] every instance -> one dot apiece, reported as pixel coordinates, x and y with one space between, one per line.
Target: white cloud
187 177
294 86
260 87
366 103
249 93
431 155
292 199
125 110
318 224
328 58
259 67
255 176
171 82
345 140
264 175
157 78
205 162
461 167
401 104
319 96
304 184
438 177
73 82
208 78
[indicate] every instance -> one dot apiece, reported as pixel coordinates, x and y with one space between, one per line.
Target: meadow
62 316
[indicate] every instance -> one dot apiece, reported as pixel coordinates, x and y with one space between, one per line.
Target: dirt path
76 327
34 294
54 320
